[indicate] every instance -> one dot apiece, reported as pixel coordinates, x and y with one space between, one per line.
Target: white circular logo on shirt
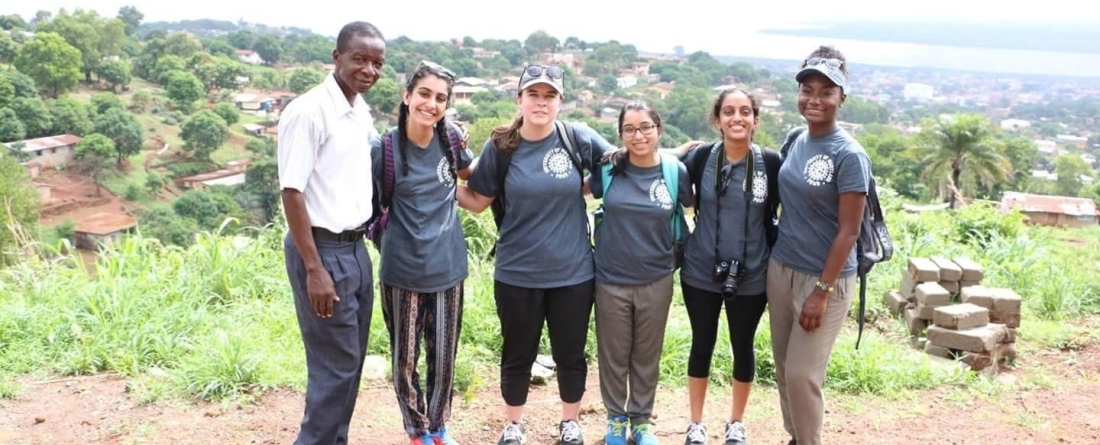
658 193
443 172
819 170
556 163
759 187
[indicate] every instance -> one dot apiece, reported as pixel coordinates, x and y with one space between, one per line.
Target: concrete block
923 270
932 295
913 322
951 286
979 361
1008 319
971 271
937 351
980 339
960 316
1006 300
949 271
895 302
965 284
925 312
977 295
908 287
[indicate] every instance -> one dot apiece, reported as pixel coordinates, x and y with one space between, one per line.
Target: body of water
774 46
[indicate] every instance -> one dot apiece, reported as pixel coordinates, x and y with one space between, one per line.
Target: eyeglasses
436 69
830 62
537 70
645 129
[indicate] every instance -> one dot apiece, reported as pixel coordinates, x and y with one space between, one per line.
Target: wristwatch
824 287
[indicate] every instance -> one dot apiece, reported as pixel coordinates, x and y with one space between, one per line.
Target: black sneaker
513 434
696 434
736 434
570 433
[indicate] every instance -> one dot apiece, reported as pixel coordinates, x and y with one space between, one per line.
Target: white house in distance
233 174
918 91
249 56
48 152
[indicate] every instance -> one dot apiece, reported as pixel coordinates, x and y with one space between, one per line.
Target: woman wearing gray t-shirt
642 193
544 268
423 250
823 184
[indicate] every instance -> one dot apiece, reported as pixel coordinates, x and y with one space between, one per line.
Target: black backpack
568 136
873 245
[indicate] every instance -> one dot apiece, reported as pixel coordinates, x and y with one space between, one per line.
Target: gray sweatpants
630 332
335 346
801 358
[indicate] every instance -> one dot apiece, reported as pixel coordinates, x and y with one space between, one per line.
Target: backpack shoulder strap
696 163
670 171
568 134
389 140
605 178
455 144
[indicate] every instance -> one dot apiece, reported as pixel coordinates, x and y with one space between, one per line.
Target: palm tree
962 143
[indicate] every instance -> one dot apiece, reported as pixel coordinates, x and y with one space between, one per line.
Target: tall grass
216 319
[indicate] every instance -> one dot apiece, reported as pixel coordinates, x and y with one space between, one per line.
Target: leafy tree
8 48
958 144
181 44
481 129
122 128
242 39
19 204
37 120
219 73
1069 168
131 18
207 207
184 89
384 95
24 85
12 21
270 48
70 116
11 128
51 62
94 152
303 79
115 72
311 49
540 41
153 184
141 100
204 133
688 109
101 102
81 35
228 112
262 177
7 92
164 225
164 66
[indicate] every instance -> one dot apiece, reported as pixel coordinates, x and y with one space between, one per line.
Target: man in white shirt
325 176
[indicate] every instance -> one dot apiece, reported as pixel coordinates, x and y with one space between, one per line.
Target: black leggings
566 311
742 315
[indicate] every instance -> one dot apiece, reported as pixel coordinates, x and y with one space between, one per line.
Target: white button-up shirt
325 153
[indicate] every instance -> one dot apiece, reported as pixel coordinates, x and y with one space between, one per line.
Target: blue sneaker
444 437
616 430
642 435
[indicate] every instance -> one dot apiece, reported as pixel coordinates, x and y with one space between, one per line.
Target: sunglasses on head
436 69
537 70
830 62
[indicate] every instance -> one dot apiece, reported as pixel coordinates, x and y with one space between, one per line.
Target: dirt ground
73 197
1052 397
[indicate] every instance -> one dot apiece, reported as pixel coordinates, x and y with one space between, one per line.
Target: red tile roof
105 223
47 142
1064 205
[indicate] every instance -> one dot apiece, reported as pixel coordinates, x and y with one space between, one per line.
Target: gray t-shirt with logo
634 242
423 248
734 242
544 237
814 174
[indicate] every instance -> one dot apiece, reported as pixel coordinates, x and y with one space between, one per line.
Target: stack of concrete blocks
980 331
929 283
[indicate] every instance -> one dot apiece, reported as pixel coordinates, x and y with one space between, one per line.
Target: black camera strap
721 183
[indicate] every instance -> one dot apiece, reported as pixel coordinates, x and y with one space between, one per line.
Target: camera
729 274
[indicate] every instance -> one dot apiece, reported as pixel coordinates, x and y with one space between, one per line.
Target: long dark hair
425 69
618 158
506 138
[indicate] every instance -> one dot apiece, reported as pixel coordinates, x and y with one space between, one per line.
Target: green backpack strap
670 171
605 178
